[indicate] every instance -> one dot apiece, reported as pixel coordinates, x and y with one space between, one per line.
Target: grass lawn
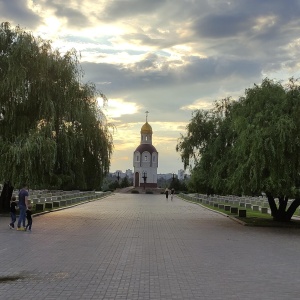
254 218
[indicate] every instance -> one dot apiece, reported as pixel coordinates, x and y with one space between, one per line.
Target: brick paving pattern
129 246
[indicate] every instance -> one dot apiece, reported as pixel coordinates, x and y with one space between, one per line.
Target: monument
145 159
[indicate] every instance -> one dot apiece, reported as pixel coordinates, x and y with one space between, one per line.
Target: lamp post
118 176
173 183
145 178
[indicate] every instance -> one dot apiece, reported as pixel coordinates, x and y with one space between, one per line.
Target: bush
135 192
149 192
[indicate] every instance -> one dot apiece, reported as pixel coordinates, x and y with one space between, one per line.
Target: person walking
23 204
167 193
172 194
29 218
13 210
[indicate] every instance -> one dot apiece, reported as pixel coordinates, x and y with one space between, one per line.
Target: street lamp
145 178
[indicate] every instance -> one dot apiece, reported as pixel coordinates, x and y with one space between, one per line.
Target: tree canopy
52 132
249 146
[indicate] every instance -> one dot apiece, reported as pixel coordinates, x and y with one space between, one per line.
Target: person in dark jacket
13 209
23 204
167 193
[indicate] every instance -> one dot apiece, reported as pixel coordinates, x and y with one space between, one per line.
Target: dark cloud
148 72
267 7
71 11
165 94
145 38
241 17
17 13
75 17
248 30
222 26
119 9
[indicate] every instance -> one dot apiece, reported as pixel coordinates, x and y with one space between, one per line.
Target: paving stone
130 246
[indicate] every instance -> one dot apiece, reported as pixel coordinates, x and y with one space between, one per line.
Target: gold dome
146 128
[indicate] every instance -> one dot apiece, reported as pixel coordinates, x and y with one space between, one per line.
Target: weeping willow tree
52 132
249 146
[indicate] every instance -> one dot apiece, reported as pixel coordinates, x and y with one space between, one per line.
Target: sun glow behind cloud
199 104
51 26
263 22
118 107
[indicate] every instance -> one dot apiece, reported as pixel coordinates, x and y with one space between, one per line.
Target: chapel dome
146 128
145 147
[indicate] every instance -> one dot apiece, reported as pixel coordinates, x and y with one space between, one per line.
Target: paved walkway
129 246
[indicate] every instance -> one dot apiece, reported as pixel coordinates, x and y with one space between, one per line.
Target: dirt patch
10 278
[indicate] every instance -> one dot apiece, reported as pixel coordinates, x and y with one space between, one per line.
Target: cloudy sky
168 57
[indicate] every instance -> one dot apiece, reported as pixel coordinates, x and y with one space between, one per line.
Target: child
13 207
29 218
172 194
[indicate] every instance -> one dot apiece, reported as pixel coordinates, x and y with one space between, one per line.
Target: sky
168 57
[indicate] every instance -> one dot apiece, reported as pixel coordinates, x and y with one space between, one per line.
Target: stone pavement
130 246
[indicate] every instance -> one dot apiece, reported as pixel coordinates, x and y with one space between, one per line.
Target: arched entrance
137 179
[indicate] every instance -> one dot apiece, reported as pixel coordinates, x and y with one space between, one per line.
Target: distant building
165 176
119 174
145 159
181 174
129 173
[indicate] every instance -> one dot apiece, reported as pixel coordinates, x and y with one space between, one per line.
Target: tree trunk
280 214
294 205
272 204
5 197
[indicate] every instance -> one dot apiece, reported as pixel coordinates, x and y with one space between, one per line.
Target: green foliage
175 184
52 132
114 185
125 182
247 146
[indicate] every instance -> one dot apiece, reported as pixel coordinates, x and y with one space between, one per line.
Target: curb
66 207
218 212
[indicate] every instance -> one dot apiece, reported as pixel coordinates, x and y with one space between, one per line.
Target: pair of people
167 191
25 210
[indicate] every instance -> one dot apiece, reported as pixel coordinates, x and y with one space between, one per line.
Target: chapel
145 159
